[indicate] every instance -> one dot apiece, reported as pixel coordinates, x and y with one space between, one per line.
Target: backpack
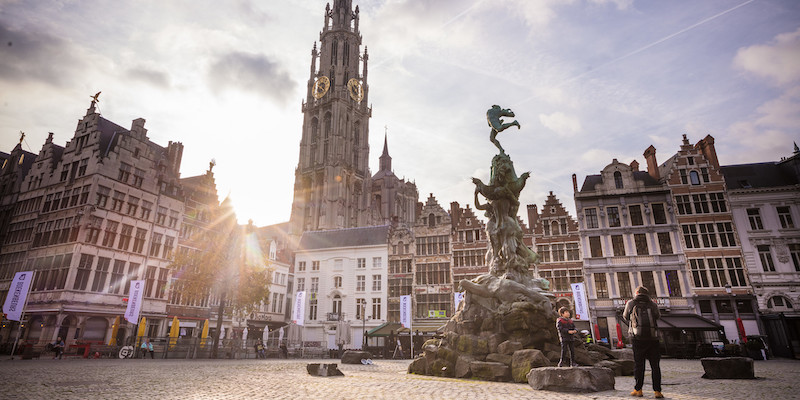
643 323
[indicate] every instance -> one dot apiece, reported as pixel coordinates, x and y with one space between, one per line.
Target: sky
589 81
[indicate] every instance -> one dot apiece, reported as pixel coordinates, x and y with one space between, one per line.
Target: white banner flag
458 297
134 302
405 311
17 293
299 312
581 304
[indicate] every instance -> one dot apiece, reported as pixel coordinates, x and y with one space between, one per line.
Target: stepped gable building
557 241
333 184
629 234
433 275
708 234
470 244
105 210
15 167
402 248
765 203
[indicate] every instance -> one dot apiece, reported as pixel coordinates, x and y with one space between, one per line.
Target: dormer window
694 177
618 179
690 160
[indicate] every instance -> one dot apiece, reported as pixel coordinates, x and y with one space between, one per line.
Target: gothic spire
386 159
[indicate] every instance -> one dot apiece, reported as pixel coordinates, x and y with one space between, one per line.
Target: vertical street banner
17 294
405 311
458 297
581 303
134 302
299 311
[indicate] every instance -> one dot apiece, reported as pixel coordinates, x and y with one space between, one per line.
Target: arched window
356 142
337 304
346 54
554 227
334 51
779 302
694 177
273 251
431 220
327 132
618 179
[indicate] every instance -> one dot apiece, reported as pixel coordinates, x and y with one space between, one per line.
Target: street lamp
729 291
364 324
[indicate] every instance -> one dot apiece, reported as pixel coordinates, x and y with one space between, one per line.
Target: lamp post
364 324
729 291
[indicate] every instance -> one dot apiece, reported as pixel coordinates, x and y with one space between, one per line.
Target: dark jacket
564 325
642 300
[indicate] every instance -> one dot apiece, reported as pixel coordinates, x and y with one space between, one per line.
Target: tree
226 263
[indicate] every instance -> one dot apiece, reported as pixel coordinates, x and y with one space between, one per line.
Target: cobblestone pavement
287 379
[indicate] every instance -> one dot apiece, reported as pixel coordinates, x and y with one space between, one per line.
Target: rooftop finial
796 150
22 137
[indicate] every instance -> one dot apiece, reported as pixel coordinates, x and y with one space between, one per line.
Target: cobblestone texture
287 379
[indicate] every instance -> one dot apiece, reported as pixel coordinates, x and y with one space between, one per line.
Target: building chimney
533 216
652 164
455 214
635 165
706 146
575 183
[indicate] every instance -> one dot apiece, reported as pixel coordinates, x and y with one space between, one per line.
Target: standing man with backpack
642 314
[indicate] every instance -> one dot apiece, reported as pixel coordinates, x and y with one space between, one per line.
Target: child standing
566 330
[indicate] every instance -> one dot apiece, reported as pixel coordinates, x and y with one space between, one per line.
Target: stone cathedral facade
334 187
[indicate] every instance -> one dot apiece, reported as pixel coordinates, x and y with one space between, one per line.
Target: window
649 282
591 218
84 269
133 274
708 236
376 308
640 239
155 244
558 252
690 236
161 216
301 284
102 197
785 216
684 206
684 178
314 285
124 172
301 265
85 194
337 306
636 215
168 247
361 308
161 287
699 272
150 281
101 273
312 310
736 271
659 215
613 216
361 263
315 265
431 245
376 262
700 203
133 206
617 179
601 285
673 283
82 168
594 246
726 236
376 283
717 202
690 160
138 241
337 282
555 230
624 280
111 233
138 177
125 237
794 251
147 208
573 254
717 270
664 243
618 245
704 174
433 273
754 215
766 258
361 283
780 302
118 201
545 228
544 253
694 177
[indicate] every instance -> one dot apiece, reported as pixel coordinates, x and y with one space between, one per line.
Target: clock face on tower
321 87
355 89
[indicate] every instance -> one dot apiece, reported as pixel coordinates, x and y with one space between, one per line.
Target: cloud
251 72
29 55
778 61
560 123
149 75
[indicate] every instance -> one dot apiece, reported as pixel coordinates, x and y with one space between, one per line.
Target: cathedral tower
333 166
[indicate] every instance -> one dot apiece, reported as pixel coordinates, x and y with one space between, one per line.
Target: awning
687 322
423 326
384 329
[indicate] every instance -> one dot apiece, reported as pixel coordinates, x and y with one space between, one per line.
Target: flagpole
22 317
